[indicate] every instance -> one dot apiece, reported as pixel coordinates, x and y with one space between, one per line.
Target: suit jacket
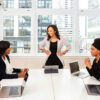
62 42
95 70
3 74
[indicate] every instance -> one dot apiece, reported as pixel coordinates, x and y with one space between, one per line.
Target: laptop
51 69
74 69
9 89
93 89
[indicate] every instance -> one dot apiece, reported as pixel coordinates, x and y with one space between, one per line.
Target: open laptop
51 69
74 69
12 90
93 89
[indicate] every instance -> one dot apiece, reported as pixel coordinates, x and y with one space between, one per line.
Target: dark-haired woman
6 70
52 45
94 69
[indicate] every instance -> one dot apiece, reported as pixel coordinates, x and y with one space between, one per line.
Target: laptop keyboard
13 91
94 89
98 88
77 74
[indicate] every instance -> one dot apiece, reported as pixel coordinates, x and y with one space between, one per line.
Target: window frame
33 12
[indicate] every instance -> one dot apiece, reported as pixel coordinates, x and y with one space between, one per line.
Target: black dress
53 59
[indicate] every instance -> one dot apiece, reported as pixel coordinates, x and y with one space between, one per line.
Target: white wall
37 62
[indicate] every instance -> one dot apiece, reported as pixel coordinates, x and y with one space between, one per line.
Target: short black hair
96 43
4 45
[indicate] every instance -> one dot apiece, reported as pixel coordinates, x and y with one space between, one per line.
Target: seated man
6 70
94 69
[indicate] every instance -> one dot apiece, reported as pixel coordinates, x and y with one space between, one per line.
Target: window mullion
76 36
34 28
16 26
1 26
16 3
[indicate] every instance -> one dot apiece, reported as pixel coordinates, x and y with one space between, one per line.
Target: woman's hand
60 54
48 52
25 70
88 63
22 75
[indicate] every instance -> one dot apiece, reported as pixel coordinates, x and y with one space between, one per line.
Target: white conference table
61 86
68 87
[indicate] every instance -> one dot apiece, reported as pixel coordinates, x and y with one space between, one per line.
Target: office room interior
24 23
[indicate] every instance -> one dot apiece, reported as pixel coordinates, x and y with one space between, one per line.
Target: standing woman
52 45
6 70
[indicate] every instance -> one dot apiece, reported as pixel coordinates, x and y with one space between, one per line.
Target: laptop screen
14 90
74 67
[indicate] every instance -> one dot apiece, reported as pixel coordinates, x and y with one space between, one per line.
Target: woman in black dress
53 59
54 44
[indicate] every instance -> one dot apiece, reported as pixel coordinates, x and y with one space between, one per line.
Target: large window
8 3
89 4
55 4
24 23
25 3
8 26
16 3
17 31
63 22
89 30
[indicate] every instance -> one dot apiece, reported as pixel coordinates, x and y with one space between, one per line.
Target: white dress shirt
9 68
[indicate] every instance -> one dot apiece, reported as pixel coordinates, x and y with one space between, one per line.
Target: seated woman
52 45
94 69
6 70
